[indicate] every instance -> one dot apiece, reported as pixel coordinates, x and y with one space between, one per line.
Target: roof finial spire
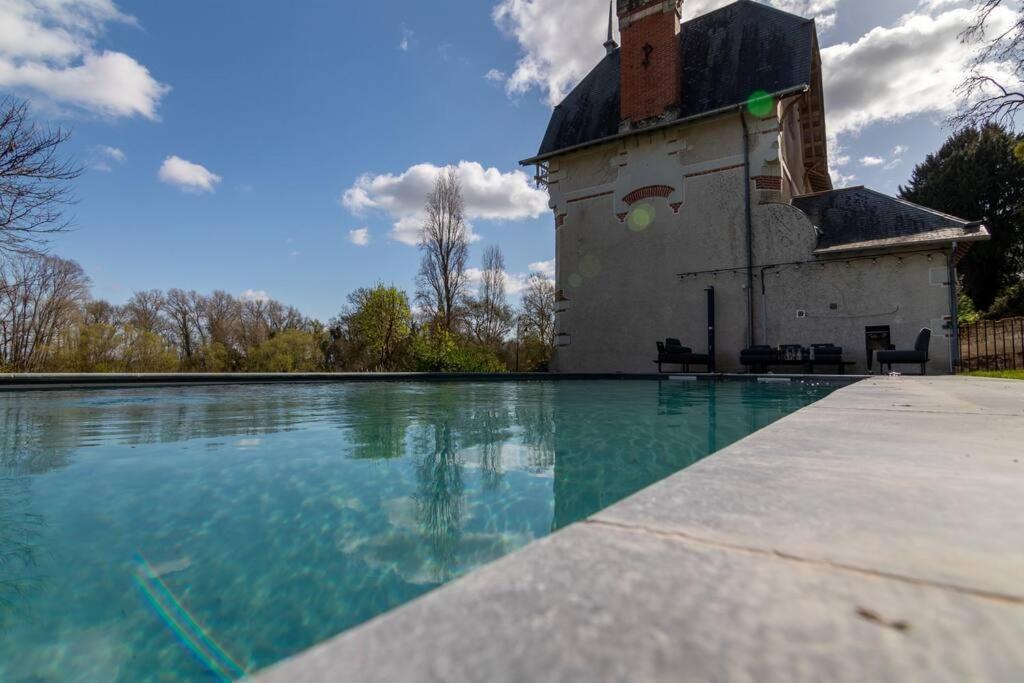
610 45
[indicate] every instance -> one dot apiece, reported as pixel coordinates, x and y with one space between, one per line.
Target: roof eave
796 90
979 234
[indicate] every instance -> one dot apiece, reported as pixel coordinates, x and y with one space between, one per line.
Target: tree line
50 323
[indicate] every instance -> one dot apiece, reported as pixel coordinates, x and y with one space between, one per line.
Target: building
693 158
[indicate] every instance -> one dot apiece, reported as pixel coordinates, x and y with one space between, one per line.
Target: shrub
442 351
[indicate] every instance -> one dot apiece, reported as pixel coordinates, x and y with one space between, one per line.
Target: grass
999 374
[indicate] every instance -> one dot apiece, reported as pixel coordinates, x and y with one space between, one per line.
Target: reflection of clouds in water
249 443
401 548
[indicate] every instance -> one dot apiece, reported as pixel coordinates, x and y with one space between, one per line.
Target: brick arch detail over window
662 191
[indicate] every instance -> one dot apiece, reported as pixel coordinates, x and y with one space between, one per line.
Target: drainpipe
750 229
954 312
764 305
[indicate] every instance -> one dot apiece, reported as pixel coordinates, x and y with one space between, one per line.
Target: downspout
764 304
954 312
750 229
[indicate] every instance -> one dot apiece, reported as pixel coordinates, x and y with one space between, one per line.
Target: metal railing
992 345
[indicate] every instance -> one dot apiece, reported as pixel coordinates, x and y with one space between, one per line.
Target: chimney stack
651 63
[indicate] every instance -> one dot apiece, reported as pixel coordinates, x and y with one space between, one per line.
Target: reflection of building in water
607 450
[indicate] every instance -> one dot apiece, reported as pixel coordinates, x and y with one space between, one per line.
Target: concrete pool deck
876 535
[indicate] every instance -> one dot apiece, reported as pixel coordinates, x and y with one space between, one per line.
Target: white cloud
188 176
554 59
49 47
496 76
910 68
893 160
489 195
359 237
105 157
545 268
254 295
515 283
407 36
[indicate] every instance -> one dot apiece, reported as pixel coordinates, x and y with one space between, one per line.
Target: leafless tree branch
34 189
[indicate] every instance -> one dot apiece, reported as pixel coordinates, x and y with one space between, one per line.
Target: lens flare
188 632
590 266
575 280
641 217
760 103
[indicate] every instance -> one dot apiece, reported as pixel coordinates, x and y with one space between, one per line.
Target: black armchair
919 355
672 352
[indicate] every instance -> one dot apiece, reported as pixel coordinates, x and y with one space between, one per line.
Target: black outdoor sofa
918 356
672 352
758 359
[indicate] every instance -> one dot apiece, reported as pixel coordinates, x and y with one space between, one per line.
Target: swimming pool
199 533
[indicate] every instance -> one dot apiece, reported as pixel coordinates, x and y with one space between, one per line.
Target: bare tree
185 322
538 315
100 312
39 296
34 179
489 315
221 313
145 311
441 283
988 100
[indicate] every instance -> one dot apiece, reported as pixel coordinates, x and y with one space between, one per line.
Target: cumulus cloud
871 161
545 268
515 283
554 60
188 176
910 68
254 295
489 195
49 47
359 237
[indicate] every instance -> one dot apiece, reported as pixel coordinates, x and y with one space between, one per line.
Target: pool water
197 534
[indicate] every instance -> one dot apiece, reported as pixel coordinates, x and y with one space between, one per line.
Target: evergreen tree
977 175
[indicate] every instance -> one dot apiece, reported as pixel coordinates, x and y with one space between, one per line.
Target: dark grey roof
857 218
727 55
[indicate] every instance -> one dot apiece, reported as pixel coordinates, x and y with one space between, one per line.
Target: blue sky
253 138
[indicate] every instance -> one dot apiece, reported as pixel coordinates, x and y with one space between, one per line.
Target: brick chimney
651 60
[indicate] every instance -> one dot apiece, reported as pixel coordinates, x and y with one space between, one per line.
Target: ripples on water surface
278 516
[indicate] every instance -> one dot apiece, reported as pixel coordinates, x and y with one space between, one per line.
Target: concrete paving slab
933 394
600 604
934 496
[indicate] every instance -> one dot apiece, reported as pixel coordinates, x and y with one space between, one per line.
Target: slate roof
856 218
727 55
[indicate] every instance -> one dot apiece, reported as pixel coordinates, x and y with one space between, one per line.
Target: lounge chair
758 358
672 352
919 355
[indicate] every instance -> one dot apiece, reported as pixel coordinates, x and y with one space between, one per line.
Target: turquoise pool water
190 534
